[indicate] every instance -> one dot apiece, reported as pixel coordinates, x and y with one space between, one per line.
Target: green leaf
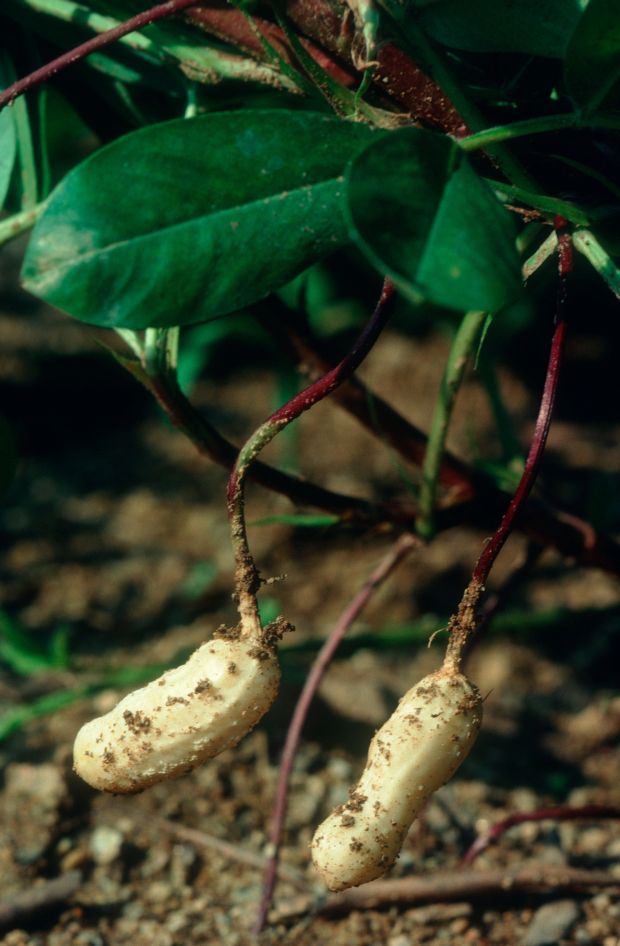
24 143
592 68
298 520
25 654
536 27
190 219
421 215
7 152
8 139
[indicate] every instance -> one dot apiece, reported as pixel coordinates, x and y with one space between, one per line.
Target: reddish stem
246 575
465 623
543 421
556 813
50 69
322 661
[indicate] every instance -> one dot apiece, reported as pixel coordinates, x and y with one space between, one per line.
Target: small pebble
105 844
550 923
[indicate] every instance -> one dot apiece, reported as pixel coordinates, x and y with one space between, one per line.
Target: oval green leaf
421 214
190 219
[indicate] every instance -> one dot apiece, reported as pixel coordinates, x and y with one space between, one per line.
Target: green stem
511 448
588 246
12 227
544 251
462 348
79 15
535 126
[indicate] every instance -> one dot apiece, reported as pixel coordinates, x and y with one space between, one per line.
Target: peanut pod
186 716
415 752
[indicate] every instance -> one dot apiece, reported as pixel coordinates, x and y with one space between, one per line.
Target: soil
115 528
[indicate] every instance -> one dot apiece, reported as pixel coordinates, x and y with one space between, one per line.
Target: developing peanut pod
415 752
186 716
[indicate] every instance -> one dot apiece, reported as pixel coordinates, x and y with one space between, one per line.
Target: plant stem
479 497
247 580
511 448
544 251
210 443
588 245
419 43
391 560
78 53
464 623
79 15
550 206
553 813
535 126
12 227
464 343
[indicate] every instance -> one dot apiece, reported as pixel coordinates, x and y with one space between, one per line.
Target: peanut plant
450 151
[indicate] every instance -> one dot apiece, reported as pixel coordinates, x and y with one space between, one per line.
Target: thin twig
457 886
50 69
25 905
553 813
247 580
464 623
201 839
322 661
463 346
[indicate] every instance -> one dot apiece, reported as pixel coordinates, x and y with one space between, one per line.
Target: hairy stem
19 223
544 251
391 560
462 348
246 575
50 69
464 623
553 813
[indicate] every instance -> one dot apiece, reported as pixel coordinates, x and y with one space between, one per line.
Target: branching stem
246 575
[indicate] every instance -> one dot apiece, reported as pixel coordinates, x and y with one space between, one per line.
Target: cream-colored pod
415 752
186 716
